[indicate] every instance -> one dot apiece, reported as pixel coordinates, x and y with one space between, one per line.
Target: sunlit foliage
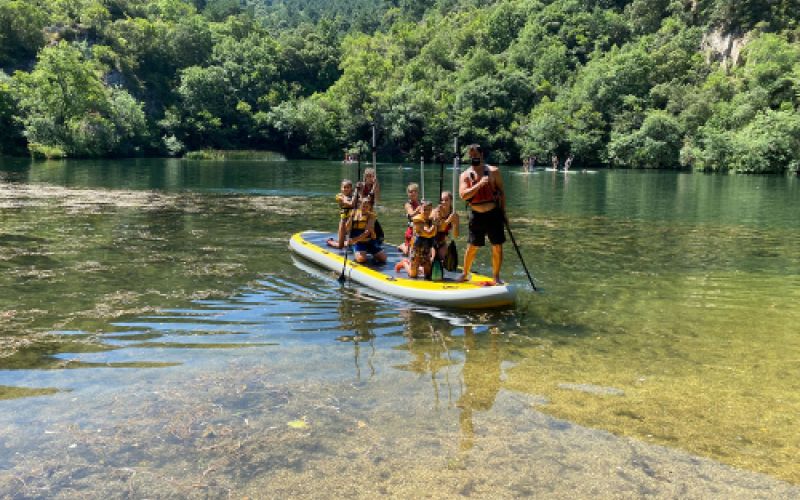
641 83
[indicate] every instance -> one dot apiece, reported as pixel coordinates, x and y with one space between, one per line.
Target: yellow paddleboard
479 292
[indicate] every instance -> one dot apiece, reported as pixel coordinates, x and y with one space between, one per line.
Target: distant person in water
362 233
568 162
413 208
530 164
345 200
554 161
481 186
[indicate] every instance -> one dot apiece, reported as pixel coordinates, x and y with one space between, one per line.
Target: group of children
426 236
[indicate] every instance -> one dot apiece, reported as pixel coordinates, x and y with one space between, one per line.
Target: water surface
169 344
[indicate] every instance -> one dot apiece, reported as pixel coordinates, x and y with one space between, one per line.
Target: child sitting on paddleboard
421 251
413 208
362 233
369 186
446 220
346 201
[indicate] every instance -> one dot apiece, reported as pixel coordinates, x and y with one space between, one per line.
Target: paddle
456 169
342 279
360 150
374 152
437 268
519 254
422 176
441 174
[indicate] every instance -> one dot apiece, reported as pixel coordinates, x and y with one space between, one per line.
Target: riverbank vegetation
233 154
710 84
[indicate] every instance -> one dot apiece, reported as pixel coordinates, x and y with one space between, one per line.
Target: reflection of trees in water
481 377
357 314
431 346
434 350
428 342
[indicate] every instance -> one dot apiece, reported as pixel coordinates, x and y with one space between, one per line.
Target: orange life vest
486 193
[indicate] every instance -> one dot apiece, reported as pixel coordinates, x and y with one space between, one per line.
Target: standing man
568 162
481 186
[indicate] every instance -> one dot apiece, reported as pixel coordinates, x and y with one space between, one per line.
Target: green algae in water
677 290
10 392
704 379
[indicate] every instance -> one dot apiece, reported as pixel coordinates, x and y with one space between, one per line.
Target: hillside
708 84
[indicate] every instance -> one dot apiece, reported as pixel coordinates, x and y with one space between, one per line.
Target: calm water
158 339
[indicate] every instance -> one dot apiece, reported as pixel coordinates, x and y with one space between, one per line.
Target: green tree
308 126
11 140
206 116
586 134
21 31
656 144
151 54
768 64
544 130
768 144
67 109
503 24
646 15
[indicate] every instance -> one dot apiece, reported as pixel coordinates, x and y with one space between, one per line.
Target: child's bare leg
412 268
339 242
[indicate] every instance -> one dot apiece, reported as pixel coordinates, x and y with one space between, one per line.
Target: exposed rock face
724 47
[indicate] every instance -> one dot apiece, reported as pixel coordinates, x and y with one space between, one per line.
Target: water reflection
357 314
481 377
427 341
677 291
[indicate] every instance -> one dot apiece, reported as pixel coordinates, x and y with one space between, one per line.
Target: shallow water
175 347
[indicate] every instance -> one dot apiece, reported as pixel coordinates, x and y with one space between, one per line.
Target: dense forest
705 84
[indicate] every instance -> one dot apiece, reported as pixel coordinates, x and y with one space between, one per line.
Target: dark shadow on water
20 238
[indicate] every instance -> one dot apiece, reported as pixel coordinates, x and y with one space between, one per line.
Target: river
157 338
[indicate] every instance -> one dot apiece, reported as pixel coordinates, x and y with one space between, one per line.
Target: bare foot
462 277
332 243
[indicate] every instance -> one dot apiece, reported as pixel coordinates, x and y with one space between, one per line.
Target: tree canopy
710 84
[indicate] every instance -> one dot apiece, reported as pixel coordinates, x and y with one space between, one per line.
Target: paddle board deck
477 293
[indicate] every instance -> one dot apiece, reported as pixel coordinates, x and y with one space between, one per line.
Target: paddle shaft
342 278
422 175
441 176
374 152
456 170
519 254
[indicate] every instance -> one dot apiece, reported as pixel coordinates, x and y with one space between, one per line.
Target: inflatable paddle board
477 293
